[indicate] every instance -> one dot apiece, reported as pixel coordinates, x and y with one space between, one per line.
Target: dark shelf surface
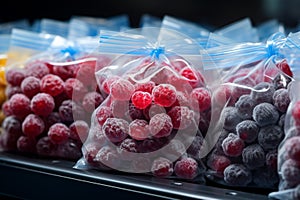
32 178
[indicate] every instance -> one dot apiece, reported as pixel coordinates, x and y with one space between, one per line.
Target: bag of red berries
157 108
254 77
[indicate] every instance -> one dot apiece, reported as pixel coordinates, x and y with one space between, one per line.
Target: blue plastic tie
156 52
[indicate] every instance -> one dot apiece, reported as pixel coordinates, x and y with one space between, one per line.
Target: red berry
20 105
283 66
292 146
119 108
90 151
160 125
6 108
181 116
26 144
42 104
195 79
37 69
121 89
11 90
86 73
116 130
79 130
15 76
102 114
33 125
152 110
70 111
51 119
162 167
232 145
145 87
139 129
186 168
164 95
74 89
107 83
65 72
201 99
30 86
52 85
296 112
141 99
218 162
58 133
108 156
91 101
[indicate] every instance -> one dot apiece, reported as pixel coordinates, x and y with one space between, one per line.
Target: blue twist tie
156 52
274 43
70 50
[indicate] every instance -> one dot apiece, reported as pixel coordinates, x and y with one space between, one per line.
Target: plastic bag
4 45
267 28
54 27
6 28
152 121
150 21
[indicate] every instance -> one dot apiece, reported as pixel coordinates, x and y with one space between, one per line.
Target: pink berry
195 79
162 167
26 144
33 125
283 66
139 129
201 99
102 114
145 87
11 90
292 146
37 69
58 133
20 105
181 116
218 163
186 168
119 108
86 73
91 101
42 104
232 145
160 125
52 85
141 99
116 130
108 156
90 151
30 86
6 108
296 112
79 130
107 83
65 72
74 89
15 76
121 89
152 110
164 95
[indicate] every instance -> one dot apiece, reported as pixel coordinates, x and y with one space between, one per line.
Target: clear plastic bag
267 28
54 27
6 28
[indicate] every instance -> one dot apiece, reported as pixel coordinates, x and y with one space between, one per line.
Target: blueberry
231 118
281 121
270 136
263 92
281 99
237 175
281 81
253 156
265 114
247 130
245 106
291 172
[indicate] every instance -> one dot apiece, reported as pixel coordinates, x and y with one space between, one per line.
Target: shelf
32 178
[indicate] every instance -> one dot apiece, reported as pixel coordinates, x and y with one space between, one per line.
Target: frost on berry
247 130
265 114
91 101
37 69
232 145
237 175
245 106
42 104
20 105
121 89
263 92
58 133
253 156
139 129
281 99
231 118
164 95
30 86
200 99
186 168
12 125
75 89
290 171
162 167
145 87
79 130
116 130
11 90
102 114
141 99
33 125
269 137
181 116
15 76
160 125
52 85
218 162
126 147
292 146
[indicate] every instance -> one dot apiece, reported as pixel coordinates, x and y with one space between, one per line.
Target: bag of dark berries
255 78
157 109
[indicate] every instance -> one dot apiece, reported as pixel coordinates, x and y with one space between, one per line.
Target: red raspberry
119 108
181 116
153 144
141 99
283 66
102 114
52 85
127 147
296 112
6 108
59 99
139 129
180 83
15 76
96 134
200 99
121 89
116 130
182 99
86 73
133 113
42 104
33 125
70 111
65 72
79 130
160 125
20 105
195 79
186 168
106 84
164 95
90 151
37 69
232 145
218 162
162 167
26 144
30 86
11 90
74 89
108 156
292 146
91 101
145 87
58 133
152 110
222 94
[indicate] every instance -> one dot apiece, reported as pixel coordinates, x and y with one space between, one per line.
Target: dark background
208 12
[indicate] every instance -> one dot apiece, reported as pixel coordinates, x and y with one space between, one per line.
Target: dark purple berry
265 114
253 156
247 130
245 106
263 92
269 137
237 175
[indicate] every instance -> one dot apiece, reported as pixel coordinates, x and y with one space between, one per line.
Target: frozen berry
281 99
160 125
243 86
97 135
283 66
126 147
162 167
90 151
145 87
292 146
232 145
247 130
200 99
121 89
253 156
79 130
106 84
141 99
65 72
59 99
12 125
26 144
222 95
237 175
194 77
102 114
20 105
139 129
271 159
42 104
11 90
108 156
150 145
133 113
245 106
85 72
281 81
296 112
186 168
45 147
174 150
30 86
164 95
69 150
152 110
15 76
265 114
52 85
218 162
181 116
263 92
231 118
281 121
91 101
6 108
37 69
265 178
70 111
270 136
116 130
33 125
58 133
195 147
290 171
74 89
119 108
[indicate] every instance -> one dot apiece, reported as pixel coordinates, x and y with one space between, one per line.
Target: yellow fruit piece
2 77
2 117
2 95
3 60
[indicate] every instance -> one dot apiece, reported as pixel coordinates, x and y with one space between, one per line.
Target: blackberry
232 118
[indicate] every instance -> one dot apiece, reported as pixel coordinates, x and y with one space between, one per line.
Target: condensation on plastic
54 27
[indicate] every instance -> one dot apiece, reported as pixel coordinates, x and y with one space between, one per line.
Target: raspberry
296 112
91 101
85 72
237 175
42 104
6 108
195 78
290 171
232 145
79 130
281 99
108 156
164 95
145 87
33 125
265 114
284 67
271 159
222 95
133 113
245 106
70 111
11 90
263 93
97 135
37 69
106 84
150 145
181 116
30 86
200 99
69 150
253 156
74 89
90 151
270 136
116 130
174 150
102 114
65 72
265 178
45 147
281 81
186 168
121 89
162 167
240 89
160 125
182 99
231 118
126 146
12 125
59 99
247 130
218 162
141 99
292 146
26 144
52 85
15 76
119 108
58 133
152 110
180 83
51 119
139 129
20 105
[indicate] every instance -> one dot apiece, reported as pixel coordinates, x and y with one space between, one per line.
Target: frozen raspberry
59 99
270 136
222 95
263 93
33 125
186 168
121 89
30 86
150 145
247 130
284 67
296 112
90 151
108 156
200 99
162 167
65 72
79 130
253 156
106 84
26 144
232 145
182 99
281 99
69 150
218 162
180 83
20 105
164 95
181 116
58 133
128 146
70 111
116 130
133 113
45 147
174 150
12 125
240 89
152 110
292 146
11 90
74 89
231 118
6 108
51 119
119 108
237 175
245 106
42 104
96 134
195 147
37 69
102 114
271 159
160 125
290 171
52 85
281 81
15 76
91 101
145 87
141 99
194 77
139 129
265 114
265 178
